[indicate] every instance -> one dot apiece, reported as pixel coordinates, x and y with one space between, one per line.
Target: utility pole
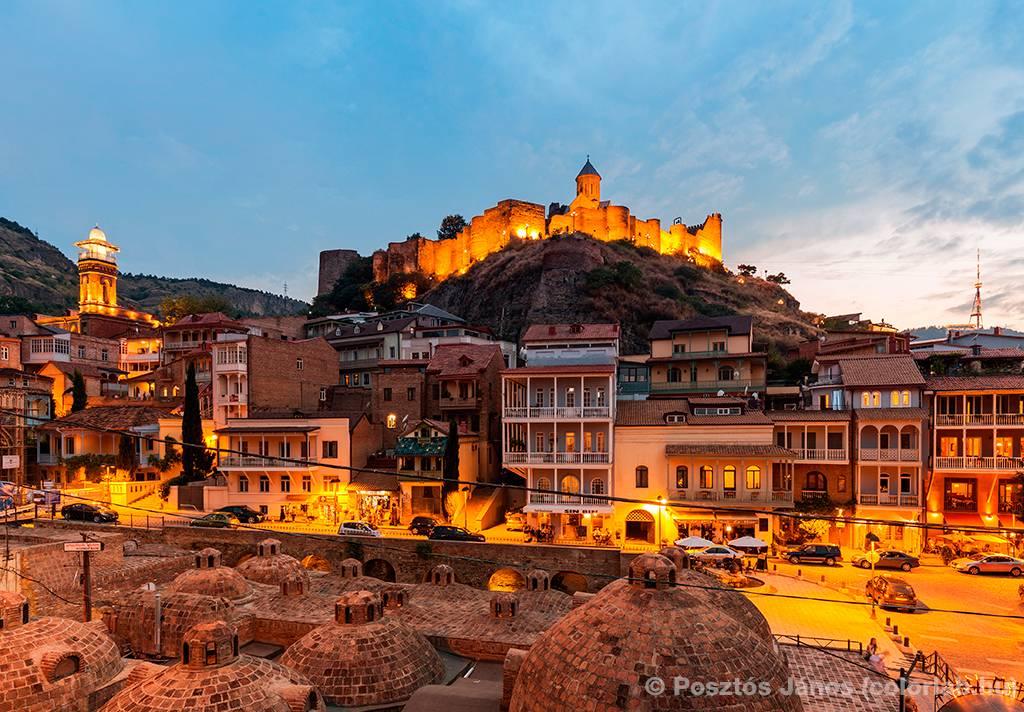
86 548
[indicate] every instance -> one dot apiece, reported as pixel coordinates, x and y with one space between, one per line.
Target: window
841 483
883 483
264 483
1004 446
104 354
876 399
81 351
69 445
961 495
600 441
707 477
753 477
570 398
284 449
540 442
675 375
906 484
65 667
641 477
387 394
972 447
718 346
570 442
329 449
682 477
597 486
366 379
410 393
729 478
588 400
894 399
286 483
243 483
948 446
392 422
679 348
815 482
298 364
726 373
905 399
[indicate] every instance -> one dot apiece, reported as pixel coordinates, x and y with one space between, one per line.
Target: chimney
997 330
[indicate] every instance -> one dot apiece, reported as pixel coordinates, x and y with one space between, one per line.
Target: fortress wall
333 264
618 222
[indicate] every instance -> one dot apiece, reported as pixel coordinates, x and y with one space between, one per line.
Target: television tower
976 311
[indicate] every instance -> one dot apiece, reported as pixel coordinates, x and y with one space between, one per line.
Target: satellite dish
721 393
755 396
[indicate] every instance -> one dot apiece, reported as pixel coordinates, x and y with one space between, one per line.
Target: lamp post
872 555
661 509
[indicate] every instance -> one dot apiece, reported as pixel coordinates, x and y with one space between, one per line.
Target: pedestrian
871 649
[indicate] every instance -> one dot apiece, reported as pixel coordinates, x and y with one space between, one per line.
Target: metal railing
544 498
874 454
557 458
851 646
979 463
694 386
735 496
559 412
267 461
967 419
822 455
892 500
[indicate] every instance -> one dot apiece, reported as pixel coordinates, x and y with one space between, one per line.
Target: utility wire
682 504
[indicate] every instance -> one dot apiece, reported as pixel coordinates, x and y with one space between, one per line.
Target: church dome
97 234
599 655
364 657
270 566
212 676
53 663
209 578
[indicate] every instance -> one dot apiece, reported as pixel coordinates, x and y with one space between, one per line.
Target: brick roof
599 655
751 417
891 413
648 412
733 324
207 320
779 416
731 450
570 332
115 417
452 360
881 370
995 382
270 568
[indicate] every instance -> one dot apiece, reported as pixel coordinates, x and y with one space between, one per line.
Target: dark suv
447 533
245 513
827 554
422 525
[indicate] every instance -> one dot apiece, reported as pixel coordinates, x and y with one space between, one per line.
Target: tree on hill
746 270
196 460
414 236
779 278
10 304
450 472
174 308
451 226
79 398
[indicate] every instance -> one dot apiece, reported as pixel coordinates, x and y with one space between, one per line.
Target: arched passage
380 569
506 580
315 562
569 582
640 526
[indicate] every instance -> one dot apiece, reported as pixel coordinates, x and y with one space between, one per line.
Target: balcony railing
48 459
458 402
557 458
267 462
544 498
979 463
735 496
696 386
822 455
874 454
231 399
893 499
559 413
967 420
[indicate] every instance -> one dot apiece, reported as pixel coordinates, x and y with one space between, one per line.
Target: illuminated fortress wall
491 231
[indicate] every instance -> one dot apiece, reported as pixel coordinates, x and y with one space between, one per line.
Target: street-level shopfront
571 523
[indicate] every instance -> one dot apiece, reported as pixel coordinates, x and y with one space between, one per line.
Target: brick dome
600 654
13 610
132 619
53 663
270 566
209 578
213 677
364 657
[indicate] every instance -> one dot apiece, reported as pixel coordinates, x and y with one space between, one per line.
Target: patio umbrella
694 542
748 542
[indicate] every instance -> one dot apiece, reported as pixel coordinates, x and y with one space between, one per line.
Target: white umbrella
748 542
694 542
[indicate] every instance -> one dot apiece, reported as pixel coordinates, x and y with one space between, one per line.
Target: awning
372 482
569 508
257 429
732 450
989 539
718 515
963 519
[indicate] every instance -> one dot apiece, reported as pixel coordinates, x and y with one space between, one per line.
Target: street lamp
661 509
873 555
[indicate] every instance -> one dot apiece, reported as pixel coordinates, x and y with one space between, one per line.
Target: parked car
718 552
448 533
889 559
358 529
245 513
890 591
216 520
515 521
827 554
422 525
990 564
88 513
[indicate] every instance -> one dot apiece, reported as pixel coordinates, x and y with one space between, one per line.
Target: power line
667 503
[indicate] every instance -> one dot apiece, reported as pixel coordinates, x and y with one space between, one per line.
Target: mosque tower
97 273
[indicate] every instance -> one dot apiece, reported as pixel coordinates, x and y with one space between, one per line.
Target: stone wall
275 381
333 264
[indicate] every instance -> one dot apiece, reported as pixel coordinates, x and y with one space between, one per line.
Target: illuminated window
682 477
865 400
894 398
570 442
707 477
753 477
906 398
392 421
729 478
972 447
948 446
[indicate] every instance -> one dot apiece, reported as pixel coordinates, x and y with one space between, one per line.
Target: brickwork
216 580
333 264
269 566
395 381
275 380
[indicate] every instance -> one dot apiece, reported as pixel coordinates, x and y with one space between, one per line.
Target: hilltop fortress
490 232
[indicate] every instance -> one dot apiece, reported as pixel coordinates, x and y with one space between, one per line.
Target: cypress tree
79 398
450 473
195 461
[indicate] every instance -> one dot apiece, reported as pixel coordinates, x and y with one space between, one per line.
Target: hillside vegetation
42 277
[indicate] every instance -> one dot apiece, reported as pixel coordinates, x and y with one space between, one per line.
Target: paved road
972 644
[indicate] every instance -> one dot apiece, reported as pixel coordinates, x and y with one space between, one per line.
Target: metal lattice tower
976 310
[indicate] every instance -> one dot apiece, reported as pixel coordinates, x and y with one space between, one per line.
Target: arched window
865 400
65 668
243 483
675 375
726 373
543 484
906 398
729 478
682 477
815 482
707 477
597 486
876 399
753 477
894 399
641 476
570 484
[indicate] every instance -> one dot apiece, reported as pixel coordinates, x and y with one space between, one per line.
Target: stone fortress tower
492 231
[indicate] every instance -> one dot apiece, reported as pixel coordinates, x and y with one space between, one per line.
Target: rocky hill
576 278
39 273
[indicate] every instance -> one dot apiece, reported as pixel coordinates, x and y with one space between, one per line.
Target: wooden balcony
776 497
890 499
558 413
557 458
961 420
258 462
821 455
995 464
874 454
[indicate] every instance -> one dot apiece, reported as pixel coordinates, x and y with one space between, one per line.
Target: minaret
588 181
97 273
976 312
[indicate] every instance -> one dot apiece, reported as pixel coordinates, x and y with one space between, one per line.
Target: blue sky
867 150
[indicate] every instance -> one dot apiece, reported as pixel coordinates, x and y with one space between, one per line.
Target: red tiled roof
209 319
570 332
452 360
648 412
731 450
891 413
880 370
809 415
116 417
995 382
751 417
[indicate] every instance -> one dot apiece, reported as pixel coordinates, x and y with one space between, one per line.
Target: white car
358 529
990 564
718 552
